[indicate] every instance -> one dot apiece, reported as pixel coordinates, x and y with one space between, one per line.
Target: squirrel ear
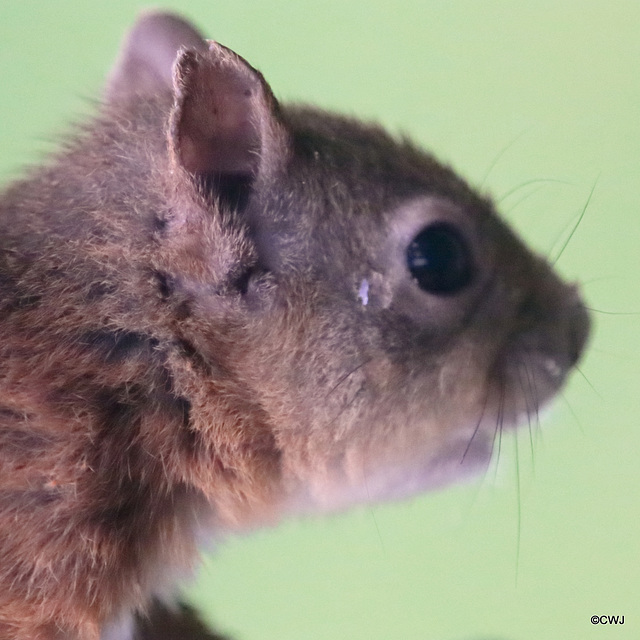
147 55
224 128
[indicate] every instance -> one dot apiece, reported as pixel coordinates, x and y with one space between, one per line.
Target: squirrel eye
440 260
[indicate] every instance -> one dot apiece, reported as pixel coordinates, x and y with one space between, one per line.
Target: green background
536 101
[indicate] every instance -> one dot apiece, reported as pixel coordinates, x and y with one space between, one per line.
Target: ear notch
147 55
224 128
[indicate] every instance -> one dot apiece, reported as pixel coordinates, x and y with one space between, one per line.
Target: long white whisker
577 224
370 508
537 181
498 430
477 427
531 401
573 413
501 153
579 370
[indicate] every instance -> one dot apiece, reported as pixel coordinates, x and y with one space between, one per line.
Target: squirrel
217 310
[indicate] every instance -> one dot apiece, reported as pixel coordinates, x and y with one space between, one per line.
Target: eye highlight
439 259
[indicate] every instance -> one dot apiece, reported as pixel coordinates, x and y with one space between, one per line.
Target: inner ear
221 122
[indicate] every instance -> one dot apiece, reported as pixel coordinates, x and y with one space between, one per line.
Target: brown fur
184 347
177 623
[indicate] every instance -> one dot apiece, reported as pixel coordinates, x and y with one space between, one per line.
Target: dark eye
440 260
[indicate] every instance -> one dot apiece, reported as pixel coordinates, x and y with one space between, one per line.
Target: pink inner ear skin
216 113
